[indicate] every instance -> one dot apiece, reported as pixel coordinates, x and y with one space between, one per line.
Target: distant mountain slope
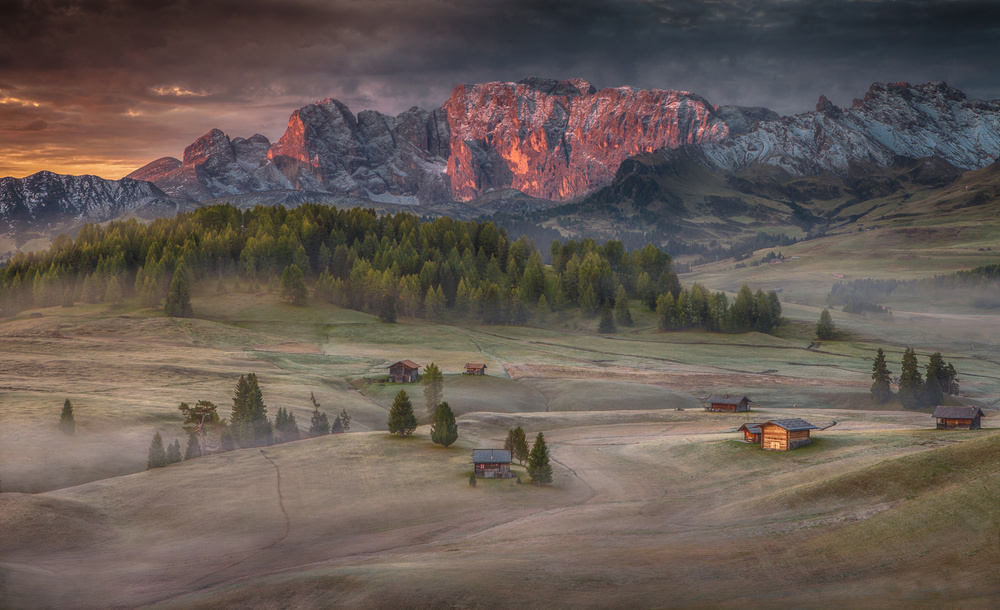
45 198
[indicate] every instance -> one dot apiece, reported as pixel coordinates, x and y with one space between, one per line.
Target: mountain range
657 157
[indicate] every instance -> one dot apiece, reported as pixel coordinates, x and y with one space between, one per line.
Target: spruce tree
607 323
520 449
157 455
319 424
286 426
402 421
881 390
345 419
387 310
67 423
338 426
174 452
444 430
178 304
539 468
935 380
623 316
433 382
825 329
248 421
910 381
113 293
193 448
293 286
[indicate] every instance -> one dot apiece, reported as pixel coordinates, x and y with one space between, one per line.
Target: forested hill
354 258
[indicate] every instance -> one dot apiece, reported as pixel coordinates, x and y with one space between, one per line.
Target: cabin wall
774 438
958 424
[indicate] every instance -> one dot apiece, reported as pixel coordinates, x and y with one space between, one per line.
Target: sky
105 86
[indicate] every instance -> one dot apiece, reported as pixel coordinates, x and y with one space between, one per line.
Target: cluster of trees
247 425
915 390
980 286
537 457
403 421
698 307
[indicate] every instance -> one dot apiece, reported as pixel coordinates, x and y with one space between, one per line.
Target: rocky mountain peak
828 108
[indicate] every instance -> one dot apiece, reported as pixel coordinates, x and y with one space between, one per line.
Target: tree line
915 391
979 286
247 426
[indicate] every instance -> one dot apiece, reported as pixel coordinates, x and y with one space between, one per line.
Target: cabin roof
791 424
726 399
943 412
475 365
751 428
490 456
407 363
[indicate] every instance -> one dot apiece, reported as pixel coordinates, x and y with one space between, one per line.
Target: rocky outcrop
561 139
44 199
893 120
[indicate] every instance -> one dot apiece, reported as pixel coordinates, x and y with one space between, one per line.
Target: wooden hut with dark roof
727 404
785 434
404 371
491 463
751 432
958 418
475 368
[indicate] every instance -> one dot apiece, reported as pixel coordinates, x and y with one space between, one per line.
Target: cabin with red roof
404 371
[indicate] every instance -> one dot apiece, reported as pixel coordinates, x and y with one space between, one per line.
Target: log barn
727 404
751 433
785 434
958 418
404 371
475 368
492 463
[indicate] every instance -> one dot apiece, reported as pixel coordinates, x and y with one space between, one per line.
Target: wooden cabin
492 463
404 371
958 418
785 434
751 433
475 368
727 404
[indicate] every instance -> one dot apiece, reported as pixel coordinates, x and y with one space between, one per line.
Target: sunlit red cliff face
561 139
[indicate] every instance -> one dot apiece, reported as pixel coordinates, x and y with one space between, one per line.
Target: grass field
655 502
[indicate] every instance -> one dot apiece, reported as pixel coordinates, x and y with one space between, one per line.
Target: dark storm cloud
148 77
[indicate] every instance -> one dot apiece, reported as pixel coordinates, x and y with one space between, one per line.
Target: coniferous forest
355 258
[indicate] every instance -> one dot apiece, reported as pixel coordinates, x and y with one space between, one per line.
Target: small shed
751 433
958 418
404 371
727 404
475 368
785 434
492 463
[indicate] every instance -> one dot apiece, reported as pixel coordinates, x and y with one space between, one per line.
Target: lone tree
881 390
433 382
320 423
67 423
517 444
285 425
193 448
157 455
174 452
444 430
539 468
248 421
387 310
293 286
910 382
178 304
402 421
824 328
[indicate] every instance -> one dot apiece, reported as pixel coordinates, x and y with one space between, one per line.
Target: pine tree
345 419
935 380
319 424
286 426
387 310
67 297
338 426
825 329
193 448
402 421
665 312
517 444
444 431
950 380
881 390
607 323
67 423
293 286
113 293
433 382
178 304
539 468
199 419
174 452
249 424
623 316
157 455
910 381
